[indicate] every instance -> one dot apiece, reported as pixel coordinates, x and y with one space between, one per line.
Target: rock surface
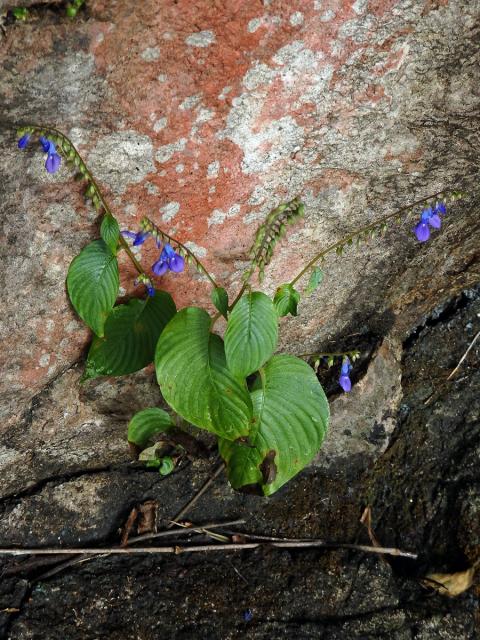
205 116
424 497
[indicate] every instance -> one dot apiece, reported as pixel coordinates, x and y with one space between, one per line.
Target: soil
424 497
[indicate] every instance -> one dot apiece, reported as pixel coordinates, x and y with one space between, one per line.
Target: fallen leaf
147 517
127 529
450 584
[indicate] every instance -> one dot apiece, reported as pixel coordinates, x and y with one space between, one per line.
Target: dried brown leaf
147 517
450 584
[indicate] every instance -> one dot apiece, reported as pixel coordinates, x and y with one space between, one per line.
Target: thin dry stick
302 544
197 496
184 531
464 356
147 536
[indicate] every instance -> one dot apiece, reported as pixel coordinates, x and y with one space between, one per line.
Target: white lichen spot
212 189
225 91
180 168
218 216
254 24
359 6
122 158
44 360
150 54
259 74
328 15
159 124
199 251
166 152
204 115
162 77
131 209
200 39
213 169
296 19
190 102
317 5
151 188
169 211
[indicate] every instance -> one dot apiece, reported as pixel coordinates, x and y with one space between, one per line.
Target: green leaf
131 334
110 232
147 423
220 300
92 284
291 412
286 300
167 466
194 378
316 278
252 333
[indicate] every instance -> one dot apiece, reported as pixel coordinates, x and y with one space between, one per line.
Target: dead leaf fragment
147 517
450 584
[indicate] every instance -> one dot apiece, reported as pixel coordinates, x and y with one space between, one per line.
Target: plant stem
327 354
89 177
359 231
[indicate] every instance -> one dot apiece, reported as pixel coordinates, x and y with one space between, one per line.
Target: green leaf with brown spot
291 419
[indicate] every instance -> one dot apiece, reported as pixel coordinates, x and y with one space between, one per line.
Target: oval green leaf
292 413
220 300
194 378
147 423
286 300
131 334
92 284
110 232
315 279
252 334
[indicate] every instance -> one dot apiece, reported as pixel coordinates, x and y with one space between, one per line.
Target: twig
464 356
184 531
210 534
299 544
134 540
197 496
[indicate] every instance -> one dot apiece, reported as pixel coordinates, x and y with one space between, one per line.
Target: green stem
330 354
147 225
359 232
89 177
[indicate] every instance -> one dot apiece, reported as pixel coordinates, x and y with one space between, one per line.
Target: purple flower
138 238
169 259
248 615
427 217
22 143
441 208
53 161
344 379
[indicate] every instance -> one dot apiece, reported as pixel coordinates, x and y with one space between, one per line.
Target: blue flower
441 208
169 259
22 143
344 379
53 161
138 238
150 290
248 615
428 218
